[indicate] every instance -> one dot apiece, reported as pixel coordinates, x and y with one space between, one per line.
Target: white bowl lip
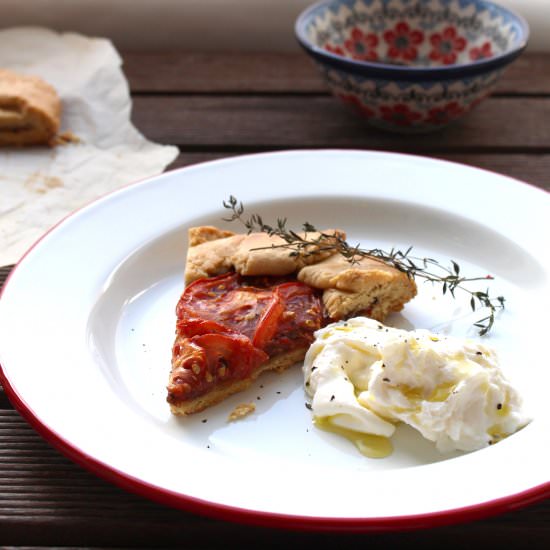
411 73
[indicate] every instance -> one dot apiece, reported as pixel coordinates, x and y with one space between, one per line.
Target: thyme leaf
450 278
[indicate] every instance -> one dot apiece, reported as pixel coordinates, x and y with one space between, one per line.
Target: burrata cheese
365 377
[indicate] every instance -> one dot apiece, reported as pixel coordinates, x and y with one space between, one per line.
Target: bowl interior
423 33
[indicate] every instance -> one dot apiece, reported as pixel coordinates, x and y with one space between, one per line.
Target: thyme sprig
429 269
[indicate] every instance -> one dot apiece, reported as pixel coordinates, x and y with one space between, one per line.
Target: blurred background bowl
411 65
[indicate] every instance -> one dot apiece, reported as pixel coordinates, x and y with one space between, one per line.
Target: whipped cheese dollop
364 377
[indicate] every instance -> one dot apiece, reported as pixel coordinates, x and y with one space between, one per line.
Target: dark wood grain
269 72
182 72
66 505
4 272
505 125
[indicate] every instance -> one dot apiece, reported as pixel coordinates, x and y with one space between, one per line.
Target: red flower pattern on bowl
335 49
353 100
411 66
446 45
485 51
399 114
403 41
362 46
445 114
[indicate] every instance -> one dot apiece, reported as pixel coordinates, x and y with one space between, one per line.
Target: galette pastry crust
211 257
205 233
30 110
260 254
213 252
368 286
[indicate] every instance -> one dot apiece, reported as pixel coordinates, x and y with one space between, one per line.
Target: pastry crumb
65 138
242 410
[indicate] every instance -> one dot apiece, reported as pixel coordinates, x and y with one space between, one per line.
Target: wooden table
218 105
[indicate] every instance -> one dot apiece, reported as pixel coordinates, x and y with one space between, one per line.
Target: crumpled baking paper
39 186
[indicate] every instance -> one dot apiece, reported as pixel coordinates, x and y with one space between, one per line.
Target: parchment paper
40 185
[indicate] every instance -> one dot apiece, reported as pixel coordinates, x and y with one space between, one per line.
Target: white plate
87 322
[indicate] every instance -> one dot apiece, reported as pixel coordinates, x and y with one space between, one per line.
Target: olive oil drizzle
369 445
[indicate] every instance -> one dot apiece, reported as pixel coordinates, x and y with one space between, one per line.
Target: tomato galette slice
231 328
252 304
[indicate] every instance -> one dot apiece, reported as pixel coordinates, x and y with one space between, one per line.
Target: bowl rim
411 73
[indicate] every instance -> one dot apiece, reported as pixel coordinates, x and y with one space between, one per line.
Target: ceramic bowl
411 65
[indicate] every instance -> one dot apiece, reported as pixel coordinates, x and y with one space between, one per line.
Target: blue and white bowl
411 65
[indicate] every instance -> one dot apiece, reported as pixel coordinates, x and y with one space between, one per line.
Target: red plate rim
246 516
265 519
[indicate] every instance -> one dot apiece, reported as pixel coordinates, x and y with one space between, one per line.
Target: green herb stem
429 269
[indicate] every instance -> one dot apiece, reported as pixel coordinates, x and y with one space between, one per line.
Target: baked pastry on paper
30 110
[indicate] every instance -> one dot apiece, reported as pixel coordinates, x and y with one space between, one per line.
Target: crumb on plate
242 410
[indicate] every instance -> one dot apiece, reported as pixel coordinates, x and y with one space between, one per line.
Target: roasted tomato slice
276 315
227 300
269 322
230 356
195 327
300 318
207 360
